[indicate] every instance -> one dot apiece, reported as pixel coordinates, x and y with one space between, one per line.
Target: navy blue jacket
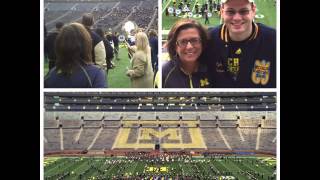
247 64
174 77
85 76
115 41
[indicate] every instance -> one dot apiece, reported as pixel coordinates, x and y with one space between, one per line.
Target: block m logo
171 133
171 138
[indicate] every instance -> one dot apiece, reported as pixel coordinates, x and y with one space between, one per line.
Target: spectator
206 21
131 43
186 40
108 48
98 49
74 65
140 72
153 40
241 53
49 44
116 44
45 30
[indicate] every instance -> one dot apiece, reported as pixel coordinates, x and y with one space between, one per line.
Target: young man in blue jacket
240 52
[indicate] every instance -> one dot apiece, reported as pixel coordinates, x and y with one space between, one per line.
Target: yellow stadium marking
146 133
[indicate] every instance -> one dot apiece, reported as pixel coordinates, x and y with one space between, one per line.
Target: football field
223 167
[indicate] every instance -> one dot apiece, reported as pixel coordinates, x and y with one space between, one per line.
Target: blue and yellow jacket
173 76
247 64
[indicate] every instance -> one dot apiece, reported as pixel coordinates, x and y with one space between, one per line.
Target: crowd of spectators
107 14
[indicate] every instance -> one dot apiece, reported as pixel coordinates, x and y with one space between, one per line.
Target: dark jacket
109 49
153 41
49 45
85 76
246 64
174 77
115 41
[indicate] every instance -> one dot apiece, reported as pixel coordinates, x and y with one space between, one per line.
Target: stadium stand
110 15
72 122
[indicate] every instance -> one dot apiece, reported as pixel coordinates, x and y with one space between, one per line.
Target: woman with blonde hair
140 72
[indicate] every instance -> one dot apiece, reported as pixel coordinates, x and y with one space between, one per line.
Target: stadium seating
108 14
127 127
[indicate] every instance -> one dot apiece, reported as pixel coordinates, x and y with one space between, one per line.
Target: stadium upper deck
160 101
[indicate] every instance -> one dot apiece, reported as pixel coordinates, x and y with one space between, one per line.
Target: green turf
46 66
242 168
265 7
117 77
168 21
268 9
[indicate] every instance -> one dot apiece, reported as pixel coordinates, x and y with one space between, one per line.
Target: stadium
160 135
110 16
